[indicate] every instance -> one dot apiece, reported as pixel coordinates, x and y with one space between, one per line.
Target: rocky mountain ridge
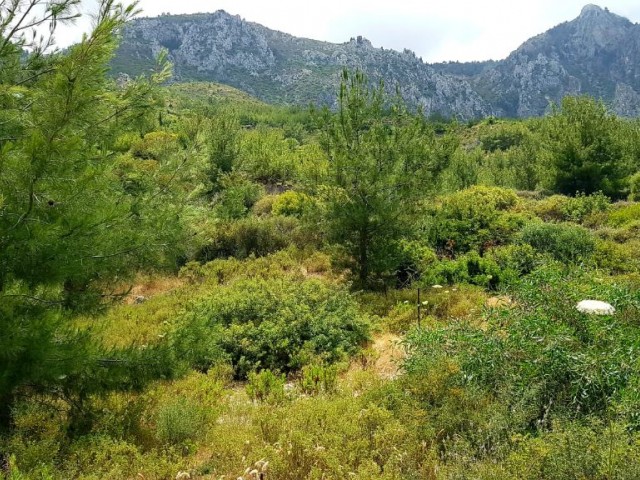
598 53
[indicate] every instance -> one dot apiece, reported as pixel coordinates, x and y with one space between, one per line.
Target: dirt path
389 355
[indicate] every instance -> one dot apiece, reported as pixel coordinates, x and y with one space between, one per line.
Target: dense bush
470 268
517 259
616 257
318 378
266 156
634 187
277 325
265 386
414 260
155 146
572 209
264 206
544 360
291 203
236 197
625 215
249 236
564 242
179 421
503 138
474 219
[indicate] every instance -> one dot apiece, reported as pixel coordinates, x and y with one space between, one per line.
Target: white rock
595 307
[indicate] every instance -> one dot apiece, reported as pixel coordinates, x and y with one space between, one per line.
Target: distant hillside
598 53
280 68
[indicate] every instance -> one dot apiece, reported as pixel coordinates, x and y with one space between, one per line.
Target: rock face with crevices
598 54
280 68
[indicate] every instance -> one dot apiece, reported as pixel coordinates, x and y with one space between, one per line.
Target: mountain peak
594 15
600 26
591 9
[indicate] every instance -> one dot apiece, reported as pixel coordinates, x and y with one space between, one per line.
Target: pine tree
68 228
380 164
586 154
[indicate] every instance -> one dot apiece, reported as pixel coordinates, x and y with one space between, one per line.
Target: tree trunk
5 412
363 256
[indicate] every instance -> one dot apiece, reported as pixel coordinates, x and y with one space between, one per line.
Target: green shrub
180 420
249 236
155 146
462 170
317 378
545 358
579 208
564 242
125 141
625 215
416 260
572 209
38 435
266 156
503 138
237 197
265 386
634 187
470 268
474 219
221 271
291 203
520 259
574 450
617 258
279 324
264 206
95 457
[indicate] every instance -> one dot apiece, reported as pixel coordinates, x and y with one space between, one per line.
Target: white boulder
595 307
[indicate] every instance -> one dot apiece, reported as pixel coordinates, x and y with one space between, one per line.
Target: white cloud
435 30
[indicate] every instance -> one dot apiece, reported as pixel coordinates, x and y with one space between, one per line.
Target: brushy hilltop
595 54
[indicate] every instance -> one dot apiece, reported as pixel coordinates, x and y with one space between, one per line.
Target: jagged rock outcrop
598 53
278 67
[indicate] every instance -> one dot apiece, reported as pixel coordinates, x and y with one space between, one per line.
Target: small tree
585 153
223 144
378 168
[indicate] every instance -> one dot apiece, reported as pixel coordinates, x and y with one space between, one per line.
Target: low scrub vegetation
194 284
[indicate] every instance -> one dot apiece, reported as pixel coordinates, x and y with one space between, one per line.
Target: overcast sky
435 30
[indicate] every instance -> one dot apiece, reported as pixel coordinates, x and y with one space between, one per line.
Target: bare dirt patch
388 354
146 287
